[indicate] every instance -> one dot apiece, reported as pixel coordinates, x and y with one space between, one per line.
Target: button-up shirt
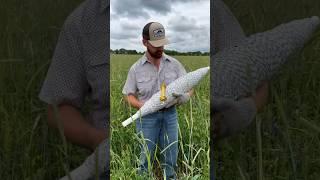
80 64
144 79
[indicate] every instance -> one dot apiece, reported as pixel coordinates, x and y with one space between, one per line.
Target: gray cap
155 33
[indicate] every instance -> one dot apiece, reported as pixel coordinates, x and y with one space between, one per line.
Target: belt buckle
163 109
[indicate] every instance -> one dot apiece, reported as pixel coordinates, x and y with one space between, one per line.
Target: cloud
128 8
189 1
140 8
182 24
162 8
125 29
188 35
187 23
130 26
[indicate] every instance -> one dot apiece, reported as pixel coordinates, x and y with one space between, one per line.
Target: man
79 69
144 79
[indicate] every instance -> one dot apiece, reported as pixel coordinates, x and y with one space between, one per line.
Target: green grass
286 143
290 128
28 34
193 160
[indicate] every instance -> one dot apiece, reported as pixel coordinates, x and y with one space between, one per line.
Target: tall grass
286 143
193 160
28 34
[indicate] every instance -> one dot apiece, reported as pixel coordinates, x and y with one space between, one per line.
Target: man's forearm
133 101
76 129
191 92
261 96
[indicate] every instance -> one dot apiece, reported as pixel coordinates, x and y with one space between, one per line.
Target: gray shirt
144 79
80 64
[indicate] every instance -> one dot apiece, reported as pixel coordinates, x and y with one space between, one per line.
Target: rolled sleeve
66 78
130 87
181 70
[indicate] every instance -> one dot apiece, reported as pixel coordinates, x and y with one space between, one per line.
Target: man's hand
230 117
133 101
261 96
179 99
98 162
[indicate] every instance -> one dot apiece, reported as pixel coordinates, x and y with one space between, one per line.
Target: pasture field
284 141
29 149
193 160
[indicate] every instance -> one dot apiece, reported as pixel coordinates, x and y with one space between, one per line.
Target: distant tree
132 52
167 51
206 54
122 51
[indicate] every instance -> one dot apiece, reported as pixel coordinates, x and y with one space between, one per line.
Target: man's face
155 52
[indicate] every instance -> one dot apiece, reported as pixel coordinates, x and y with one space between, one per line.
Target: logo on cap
154 32
158 32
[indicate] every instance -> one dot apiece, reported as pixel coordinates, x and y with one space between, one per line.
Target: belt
165 109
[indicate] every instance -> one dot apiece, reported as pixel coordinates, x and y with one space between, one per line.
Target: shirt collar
166 57
145 59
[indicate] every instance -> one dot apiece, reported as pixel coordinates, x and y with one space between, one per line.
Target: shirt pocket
97 76
170 77
145 83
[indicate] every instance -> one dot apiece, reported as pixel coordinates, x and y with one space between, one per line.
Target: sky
186 23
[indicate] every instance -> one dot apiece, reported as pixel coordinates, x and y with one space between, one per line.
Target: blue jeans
159 127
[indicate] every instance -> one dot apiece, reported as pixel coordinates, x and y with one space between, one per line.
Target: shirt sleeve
227 31
130 87
66 80
181 70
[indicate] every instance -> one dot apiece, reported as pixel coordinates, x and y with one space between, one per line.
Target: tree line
169 52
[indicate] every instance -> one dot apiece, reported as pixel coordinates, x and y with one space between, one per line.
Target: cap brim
159 43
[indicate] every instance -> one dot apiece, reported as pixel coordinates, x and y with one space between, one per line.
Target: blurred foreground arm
76 129
230 117
96 166
261 96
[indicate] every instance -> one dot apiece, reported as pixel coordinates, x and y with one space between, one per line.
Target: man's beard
156 55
